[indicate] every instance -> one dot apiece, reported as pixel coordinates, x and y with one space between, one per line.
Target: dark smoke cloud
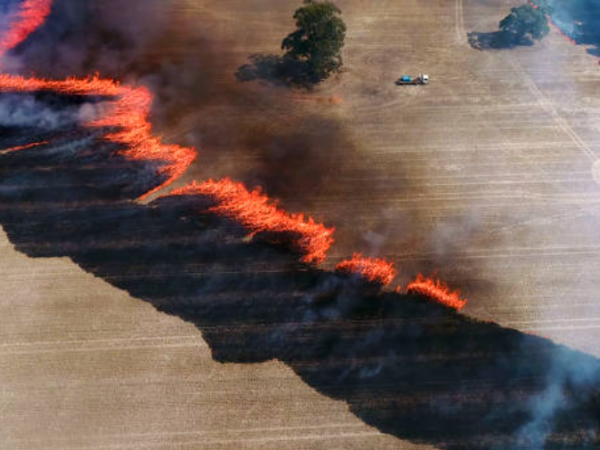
83 37
260 135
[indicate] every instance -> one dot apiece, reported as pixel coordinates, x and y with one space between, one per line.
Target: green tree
525 24
318 39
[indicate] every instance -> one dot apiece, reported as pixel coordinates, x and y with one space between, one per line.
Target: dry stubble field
486 175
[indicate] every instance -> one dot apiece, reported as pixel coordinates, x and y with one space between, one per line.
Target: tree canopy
318 39
525 24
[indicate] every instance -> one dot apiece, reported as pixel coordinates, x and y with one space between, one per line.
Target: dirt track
486 175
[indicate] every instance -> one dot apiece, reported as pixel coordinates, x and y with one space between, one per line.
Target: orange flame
23 147
372 269
436 290
92 86
31 15
255 211
129 115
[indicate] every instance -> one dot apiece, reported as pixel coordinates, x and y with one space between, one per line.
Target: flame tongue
23 147
372 269
93 86
129 115
437 291
258 213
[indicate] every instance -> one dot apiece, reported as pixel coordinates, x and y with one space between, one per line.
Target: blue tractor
408 80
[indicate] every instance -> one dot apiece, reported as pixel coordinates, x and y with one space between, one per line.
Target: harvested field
488 177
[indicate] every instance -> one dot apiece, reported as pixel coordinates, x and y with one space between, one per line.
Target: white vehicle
409 80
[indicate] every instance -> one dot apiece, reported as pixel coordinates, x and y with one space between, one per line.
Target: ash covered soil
487 176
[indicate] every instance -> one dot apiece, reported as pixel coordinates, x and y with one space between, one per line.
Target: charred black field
157 323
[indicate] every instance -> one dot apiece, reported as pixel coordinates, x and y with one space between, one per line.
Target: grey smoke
27 111
567 376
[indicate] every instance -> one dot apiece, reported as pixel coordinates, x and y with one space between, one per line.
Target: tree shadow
495 40
277 70
408 367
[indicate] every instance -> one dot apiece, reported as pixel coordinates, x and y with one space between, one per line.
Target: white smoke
28 111
569 372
